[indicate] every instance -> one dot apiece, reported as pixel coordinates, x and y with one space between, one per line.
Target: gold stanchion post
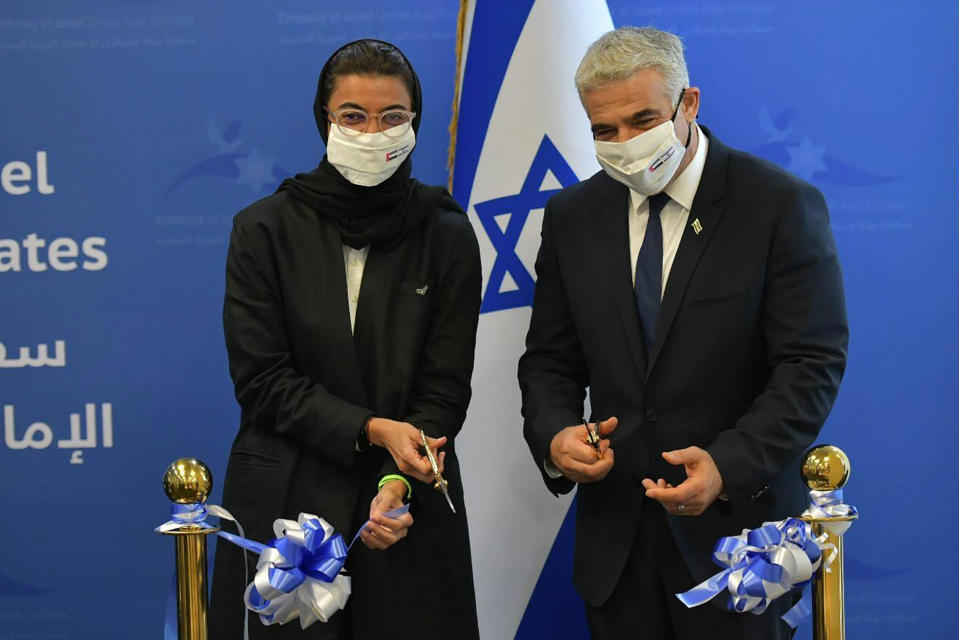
188 481
826 468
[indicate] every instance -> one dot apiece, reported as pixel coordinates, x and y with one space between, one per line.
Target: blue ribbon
762 564
298 572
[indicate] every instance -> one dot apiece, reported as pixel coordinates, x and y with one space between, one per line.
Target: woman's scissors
441 483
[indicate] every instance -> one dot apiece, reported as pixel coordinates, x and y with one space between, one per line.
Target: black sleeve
268 387
441 388
804 326
552 372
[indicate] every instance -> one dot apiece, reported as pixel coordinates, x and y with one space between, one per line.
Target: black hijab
381 216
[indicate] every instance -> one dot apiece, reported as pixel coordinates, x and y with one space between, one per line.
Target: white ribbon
280 592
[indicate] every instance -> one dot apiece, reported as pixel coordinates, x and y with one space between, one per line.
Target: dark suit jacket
749 350
306 386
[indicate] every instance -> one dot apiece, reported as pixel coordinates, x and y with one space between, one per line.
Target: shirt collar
683 188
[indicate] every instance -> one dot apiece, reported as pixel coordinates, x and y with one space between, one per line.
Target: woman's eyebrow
353 105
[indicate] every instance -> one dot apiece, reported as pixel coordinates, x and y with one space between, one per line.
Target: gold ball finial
187 481
826 468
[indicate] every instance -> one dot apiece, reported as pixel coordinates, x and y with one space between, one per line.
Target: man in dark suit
695 291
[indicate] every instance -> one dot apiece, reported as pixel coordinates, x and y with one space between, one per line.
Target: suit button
651 415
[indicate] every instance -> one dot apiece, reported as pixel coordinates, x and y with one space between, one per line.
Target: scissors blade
446 494
441 483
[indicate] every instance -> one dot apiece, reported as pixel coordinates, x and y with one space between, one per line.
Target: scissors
441 483
592 435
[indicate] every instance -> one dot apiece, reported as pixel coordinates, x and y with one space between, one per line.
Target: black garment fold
381 216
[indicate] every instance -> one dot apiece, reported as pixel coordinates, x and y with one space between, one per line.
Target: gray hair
620 53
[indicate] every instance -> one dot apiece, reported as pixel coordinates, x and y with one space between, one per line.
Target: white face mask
368 159
645 163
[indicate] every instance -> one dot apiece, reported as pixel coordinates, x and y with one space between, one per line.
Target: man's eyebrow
642 114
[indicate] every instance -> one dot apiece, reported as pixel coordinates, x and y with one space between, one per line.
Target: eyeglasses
352 122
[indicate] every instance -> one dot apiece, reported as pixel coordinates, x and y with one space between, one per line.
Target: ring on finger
680 508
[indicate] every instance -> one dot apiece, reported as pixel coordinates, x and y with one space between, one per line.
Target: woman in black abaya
352 297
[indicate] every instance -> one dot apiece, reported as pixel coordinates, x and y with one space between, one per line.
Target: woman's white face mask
647 162
368 159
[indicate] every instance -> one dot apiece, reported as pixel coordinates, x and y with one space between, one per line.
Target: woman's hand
403 442
382 532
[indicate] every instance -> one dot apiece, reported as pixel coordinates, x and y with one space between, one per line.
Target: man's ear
691 103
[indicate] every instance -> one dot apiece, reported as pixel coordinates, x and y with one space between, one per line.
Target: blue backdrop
133 131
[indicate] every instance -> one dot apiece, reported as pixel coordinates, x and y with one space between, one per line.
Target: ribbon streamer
182 515
829 504
763 564
391 514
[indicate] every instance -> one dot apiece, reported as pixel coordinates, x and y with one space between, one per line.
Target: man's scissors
441 484
592 435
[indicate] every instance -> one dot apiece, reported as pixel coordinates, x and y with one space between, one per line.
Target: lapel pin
697 226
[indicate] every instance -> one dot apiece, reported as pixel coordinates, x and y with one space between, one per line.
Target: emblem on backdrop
229 160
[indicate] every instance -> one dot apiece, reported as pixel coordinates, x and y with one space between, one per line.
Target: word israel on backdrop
33 253
39 435
42 359
16 175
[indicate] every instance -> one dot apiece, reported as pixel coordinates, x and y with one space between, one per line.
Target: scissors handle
592 435
441 483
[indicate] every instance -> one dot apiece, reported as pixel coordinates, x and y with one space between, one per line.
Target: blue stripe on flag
494 24
554 609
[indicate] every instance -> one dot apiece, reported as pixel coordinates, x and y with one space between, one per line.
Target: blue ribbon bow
297 573
765 563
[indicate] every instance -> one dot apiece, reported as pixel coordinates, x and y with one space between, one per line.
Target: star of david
531 197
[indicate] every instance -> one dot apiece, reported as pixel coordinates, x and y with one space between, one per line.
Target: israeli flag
522 135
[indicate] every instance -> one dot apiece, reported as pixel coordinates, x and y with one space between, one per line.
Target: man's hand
578 461
403 442
382 532
702 485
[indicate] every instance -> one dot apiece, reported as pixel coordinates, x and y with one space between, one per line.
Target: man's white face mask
368 159
647 162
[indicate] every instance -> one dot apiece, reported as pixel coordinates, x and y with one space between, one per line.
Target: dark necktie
649 270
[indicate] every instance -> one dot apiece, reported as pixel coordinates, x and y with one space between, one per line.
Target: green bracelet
394 476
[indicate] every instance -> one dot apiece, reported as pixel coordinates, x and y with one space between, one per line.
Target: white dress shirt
355 262
673 217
